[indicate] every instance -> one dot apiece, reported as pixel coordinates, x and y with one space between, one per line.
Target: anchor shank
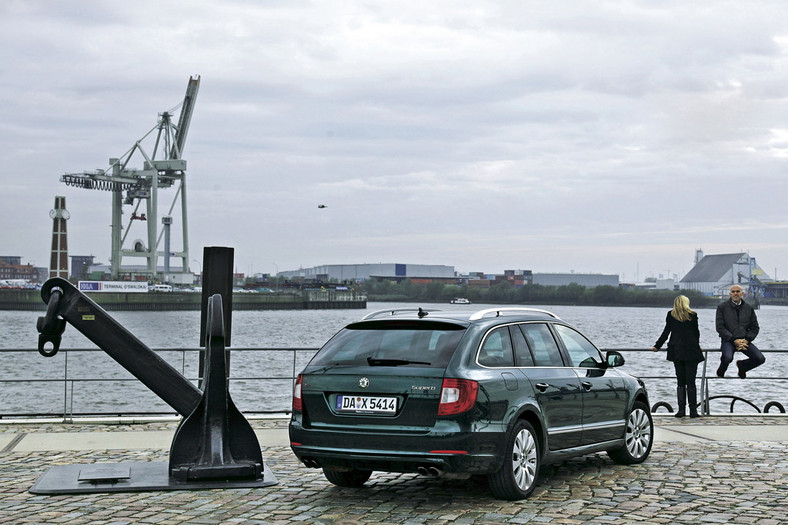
131 353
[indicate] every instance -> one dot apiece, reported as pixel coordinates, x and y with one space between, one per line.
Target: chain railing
286 373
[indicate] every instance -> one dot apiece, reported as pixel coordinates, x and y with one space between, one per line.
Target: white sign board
113 286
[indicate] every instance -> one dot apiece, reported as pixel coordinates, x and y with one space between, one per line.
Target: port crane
162 167
755 284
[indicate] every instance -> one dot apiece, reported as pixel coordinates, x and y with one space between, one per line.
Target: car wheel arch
639 396
532 415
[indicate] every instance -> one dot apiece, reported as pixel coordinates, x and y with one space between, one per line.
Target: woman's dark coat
684 344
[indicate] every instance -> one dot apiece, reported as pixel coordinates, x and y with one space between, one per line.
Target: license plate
367 404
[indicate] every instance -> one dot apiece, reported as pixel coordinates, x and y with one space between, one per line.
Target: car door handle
542 386
587 385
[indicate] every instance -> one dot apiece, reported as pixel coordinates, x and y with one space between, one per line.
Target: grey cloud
489 135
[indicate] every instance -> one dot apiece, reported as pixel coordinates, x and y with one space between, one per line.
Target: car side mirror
614 359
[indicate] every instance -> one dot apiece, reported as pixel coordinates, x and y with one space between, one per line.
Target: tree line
506 293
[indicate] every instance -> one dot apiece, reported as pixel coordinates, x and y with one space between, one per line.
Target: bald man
737 325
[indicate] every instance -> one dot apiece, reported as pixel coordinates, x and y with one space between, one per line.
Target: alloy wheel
638 436
524 460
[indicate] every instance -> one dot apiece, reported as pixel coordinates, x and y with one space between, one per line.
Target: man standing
738 326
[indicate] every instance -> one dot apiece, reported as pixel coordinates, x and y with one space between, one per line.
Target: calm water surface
609 328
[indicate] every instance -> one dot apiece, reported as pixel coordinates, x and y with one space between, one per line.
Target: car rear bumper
393 461
460 453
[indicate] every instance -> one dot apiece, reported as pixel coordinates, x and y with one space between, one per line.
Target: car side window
542 343
581 351
496 348
522 354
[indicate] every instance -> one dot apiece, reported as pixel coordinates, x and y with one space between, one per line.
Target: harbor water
104 387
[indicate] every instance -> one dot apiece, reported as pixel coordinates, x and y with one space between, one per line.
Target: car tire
347 478
516 479
638 437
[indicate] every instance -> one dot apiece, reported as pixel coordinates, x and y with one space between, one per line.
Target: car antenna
423 313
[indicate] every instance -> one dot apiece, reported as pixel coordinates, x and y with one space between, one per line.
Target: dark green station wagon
496 393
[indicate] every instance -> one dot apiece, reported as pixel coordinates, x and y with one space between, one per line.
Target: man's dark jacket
736 322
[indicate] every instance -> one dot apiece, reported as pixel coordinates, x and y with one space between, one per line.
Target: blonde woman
681 324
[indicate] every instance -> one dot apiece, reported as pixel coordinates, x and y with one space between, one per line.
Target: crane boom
185 118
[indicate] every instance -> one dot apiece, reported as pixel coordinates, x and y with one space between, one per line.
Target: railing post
71 403
704 386
65 385
292 385
706 399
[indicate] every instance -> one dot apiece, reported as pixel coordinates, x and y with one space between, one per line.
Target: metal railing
705 377
71 380
289 372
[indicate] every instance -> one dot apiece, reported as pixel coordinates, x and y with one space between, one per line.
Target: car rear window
400 343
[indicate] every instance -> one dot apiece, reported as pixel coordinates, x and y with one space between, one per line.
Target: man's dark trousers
754 356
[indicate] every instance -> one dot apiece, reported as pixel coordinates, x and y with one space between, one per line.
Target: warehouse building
589 280
714 274
361 272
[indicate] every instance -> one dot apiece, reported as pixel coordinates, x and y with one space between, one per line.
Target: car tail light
457 396
297 406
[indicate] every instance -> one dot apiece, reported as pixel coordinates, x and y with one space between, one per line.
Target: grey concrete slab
702 432
132 440
273 437
61 441
696 433
675 435
5 439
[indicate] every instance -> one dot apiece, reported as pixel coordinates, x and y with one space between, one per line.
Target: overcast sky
612 137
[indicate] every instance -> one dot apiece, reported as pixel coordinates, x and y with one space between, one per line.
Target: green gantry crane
163 167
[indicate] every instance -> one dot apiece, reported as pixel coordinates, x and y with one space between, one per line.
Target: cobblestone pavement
714 482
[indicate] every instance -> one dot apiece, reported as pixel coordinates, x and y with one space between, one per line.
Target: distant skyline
635 278
594 137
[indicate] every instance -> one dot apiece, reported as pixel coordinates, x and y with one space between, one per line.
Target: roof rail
507 309
395 311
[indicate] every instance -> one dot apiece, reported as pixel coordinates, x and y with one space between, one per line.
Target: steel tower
58 261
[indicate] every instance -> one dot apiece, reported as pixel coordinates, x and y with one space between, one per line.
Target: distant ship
460 300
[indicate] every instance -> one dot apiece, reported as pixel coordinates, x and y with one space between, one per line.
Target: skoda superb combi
496 393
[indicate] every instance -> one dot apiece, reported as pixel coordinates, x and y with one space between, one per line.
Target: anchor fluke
215 441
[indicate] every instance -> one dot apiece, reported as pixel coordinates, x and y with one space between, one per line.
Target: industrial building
80 267
714 274
362 272
16 270
435 272
589 280
12 269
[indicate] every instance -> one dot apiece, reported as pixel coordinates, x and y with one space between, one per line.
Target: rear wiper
326 368
373 361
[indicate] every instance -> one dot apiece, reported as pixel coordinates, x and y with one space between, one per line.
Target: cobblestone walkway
717 482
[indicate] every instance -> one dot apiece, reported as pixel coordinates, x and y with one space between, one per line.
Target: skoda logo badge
363 382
